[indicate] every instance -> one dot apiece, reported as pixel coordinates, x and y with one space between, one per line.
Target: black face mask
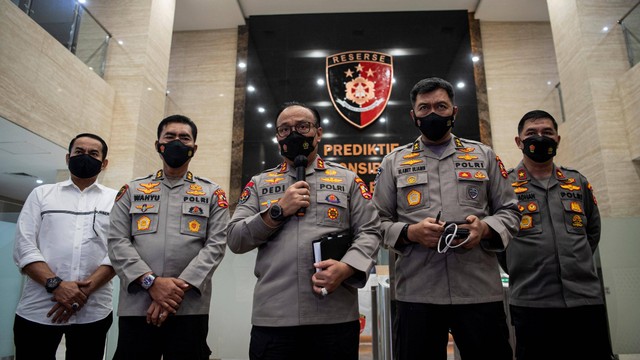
539 148
434 126
84 166
175 153
296 144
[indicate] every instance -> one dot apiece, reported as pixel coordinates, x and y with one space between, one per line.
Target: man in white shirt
61 245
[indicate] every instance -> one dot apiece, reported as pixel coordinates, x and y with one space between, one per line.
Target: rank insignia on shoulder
521 174
320 164
189 176
121 192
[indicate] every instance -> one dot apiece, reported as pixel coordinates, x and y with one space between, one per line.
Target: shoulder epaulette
273 169
143 177
335 164
204 179
471 141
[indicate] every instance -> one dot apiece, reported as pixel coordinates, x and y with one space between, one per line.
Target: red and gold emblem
532 207
520 208
479 175
359 84
576 221
464 175
222 198
333 213
194 226
503 171
121 192
364 191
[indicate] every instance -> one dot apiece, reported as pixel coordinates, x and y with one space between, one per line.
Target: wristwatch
52 284
276 213
148 280
404 233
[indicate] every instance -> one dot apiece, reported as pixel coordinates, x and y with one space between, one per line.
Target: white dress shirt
66 228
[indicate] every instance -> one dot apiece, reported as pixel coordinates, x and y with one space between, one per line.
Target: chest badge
195 190
333 213
144 207
467 157
194 226
520 190
532 207
148 188
570 187
575 207
143 223
410 162
412 179
526 222
576 221
414 197
274 180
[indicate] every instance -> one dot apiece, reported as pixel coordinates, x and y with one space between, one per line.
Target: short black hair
178 119
429 85
288 104
535 115
105 148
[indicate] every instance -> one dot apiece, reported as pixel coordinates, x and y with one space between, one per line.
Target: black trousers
309 342
179 337
38 341
567 333
480 331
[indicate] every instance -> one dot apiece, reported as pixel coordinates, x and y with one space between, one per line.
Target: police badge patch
359 83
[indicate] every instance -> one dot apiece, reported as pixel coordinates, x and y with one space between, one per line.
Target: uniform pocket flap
412 179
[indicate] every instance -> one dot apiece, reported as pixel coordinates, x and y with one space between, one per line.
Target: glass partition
630 23
73 26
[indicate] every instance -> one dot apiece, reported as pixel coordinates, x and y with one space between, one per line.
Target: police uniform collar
521 173
188 176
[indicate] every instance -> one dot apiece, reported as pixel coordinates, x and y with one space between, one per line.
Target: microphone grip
301 168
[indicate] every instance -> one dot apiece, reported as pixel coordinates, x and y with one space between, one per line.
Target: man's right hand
295 197
427 232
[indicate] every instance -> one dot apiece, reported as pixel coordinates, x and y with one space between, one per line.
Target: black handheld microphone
300 162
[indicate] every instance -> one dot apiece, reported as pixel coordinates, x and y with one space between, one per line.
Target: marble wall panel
521 73
201 86
45 88
591 63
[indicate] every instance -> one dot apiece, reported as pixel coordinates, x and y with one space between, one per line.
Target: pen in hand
438 217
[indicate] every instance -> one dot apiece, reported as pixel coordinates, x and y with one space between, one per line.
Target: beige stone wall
137 69
201 86
44 87
591 64
521 72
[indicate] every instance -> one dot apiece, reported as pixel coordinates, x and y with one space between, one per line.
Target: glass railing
73 26
630 23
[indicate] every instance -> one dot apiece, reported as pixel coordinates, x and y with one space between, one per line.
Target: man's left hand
332 274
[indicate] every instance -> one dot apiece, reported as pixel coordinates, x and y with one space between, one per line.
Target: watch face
275 212
52 283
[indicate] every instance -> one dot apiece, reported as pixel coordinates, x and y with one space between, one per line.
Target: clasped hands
69 298
167 294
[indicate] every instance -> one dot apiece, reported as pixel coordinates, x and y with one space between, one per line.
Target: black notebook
331 247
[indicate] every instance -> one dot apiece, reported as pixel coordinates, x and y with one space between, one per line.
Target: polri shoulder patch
121 192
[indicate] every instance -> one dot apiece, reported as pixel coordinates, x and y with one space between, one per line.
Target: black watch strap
52 283
404 233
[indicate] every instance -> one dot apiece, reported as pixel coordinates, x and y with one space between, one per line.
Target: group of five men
445 206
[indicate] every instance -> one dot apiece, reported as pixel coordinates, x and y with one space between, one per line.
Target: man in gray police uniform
557 303
445 282
304 309
168 235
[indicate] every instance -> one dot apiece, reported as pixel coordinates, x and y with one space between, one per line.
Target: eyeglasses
302 128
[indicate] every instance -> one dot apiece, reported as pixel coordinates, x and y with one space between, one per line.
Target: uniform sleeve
25 250
201 268
504 216
592 213
246 229
365 226
124 257
384 199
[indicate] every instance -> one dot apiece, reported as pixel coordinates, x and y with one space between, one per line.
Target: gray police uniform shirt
172 228
340 203
414 183
550 261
